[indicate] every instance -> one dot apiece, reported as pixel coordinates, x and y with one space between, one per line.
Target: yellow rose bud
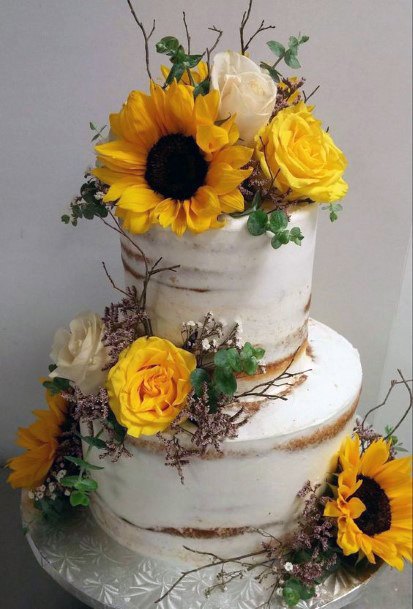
149 385
295 149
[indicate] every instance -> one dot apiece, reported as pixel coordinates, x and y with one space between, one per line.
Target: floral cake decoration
220 136
217 136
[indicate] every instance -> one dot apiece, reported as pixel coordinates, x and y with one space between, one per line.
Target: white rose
80 354
245 90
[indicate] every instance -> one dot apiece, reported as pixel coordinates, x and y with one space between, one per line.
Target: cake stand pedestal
102 574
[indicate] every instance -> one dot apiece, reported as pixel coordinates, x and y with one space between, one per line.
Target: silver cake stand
102 574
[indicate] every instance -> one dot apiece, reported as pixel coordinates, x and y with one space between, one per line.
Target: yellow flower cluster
373 503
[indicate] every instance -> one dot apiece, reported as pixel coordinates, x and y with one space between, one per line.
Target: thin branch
112 282
311 94
384 402
219 561
406 384
188 37
262 28
209 50
145 36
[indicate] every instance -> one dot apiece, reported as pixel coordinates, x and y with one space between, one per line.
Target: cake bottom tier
229 498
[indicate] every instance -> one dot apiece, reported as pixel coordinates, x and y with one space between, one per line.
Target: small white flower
99 196
214 343
52 487
61 474
30 495
279 592
39 495
42 488
67 492
289 567
190 324
238 341
206 345
53 496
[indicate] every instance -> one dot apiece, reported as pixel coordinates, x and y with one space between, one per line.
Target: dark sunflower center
176 167
377 516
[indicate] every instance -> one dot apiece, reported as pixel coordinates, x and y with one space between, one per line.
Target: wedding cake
204 414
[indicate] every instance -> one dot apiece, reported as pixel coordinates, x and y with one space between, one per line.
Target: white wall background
65 63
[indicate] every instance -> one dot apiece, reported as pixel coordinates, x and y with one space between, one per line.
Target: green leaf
69 481
291 60
86 485
120 431
296 235
93 441
190 61
247 350
202 88
276 47
278 220
257 222
225 381
259 353
92 126
291 596
168 45
293 42
304 39
81 463
65 219
228 358
175 73
57 385
198 379
275 75
280 239
79 498
250 365
53 367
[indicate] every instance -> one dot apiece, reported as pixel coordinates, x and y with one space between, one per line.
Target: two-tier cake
205 415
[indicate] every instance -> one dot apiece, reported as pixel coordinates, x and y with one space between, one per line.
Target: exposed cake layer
254 483
235 276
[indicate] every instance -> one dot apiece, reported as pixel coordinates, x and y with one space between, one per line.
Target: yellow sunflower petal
136 223
179 223
223 179
211 138
179 107
232 202
375 456
121 155
206 108
206 202
166 212
195 223
139 198
236 156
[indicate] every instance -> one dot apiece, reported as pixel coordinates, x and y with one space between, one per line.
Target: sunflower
373 503
171 162
40 441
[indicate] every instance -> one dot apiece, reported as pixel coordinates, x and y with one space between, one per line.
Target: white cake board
102 574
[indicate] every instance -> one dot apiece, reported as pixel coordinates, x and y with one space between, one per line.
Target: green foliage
52 509
88 205
120 431
259 222
289 54
93 441
56 385
181 61
98 132
81 463
202 88
334 209
79 498
294 591
198 379
229 362
396 445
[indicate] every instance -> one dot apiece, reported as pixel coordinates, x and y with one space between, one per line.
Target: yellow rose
148 386
295 149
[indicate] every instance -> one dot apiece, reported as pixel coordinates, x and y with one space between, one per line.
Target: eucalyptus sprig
276 222
334 209
88 204
227 364
181 61
289 54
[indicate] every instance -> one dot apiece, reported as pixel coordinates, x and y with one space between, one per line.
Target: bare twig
188 37
209 50
146 36
112 282
406 384
311 94
217 563
262 28
393 384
